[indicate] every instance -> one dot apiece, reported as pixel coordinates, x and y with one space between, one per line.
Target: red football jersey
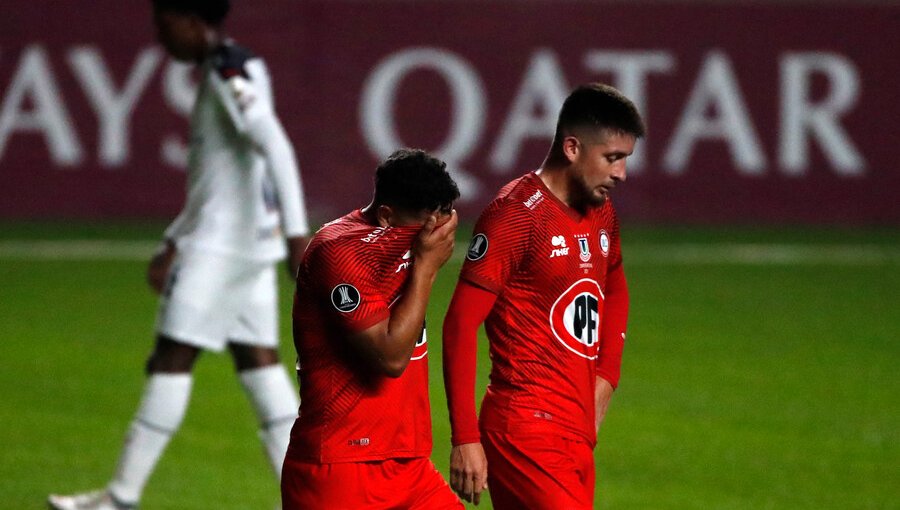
548 267
351 274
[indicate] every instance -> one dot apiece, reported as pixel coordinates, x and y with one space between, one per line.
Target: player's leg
539 471
159 415
273 396
195 313
162 409
254 347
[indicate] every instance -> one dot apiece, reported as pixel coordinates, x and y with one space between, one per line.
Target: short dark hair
414 180
210 11
595 107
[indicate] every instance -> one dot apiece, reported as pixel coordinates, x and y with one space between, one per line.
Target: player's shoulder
230 59
339 232
349 235
521 198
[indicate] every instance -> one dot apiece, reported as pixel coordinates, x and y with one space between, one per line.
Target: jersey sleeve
615 313
615 251
498 246
469 307
353 300
243 86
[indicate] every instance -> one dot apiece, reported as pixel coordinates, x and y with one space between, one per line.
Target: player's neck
556 179
370 214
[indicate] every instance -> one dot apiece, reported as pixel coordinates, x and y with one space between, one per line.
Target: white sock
160 414
275 400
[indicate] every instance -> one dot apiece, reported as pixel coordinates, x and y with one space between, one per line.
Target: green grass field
761 372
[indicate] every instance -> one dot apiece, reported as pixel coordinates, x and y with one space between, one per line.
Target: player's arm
388 345
162 258
246 95
612 340
270 139
469 307
296 246
502 237
158 269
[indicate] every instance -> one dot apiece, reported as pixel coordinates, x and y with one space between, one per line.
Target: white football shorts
210 300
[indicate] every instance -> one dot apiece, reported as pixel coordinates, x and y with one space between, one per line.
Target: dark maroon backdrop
322 55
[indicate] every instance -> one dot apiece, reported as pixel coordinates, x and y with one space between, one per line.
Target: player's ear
384 215
570 148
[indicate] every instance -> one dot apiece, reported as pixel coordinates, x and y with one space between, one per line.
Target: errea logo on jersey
345 298
560 249
575 318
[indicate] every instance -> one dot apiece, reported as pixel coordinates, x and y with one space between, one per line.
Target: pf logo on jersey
345 297
575 318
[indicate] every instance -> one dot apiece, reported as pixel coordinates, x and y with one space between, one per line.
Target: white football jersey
244 193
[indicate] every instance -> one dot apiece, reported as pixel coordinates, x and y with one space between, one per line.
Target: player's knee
248 357
170 356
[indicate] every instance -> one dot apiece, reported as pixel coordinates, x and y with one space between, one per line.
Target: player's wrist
425 270
464 439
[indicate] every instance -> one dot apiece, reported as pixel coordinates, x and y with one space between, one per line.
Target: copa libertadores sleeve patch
345 298
478 247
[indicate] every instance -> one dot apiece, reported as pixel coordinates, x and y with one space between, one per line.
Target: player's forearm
468 309
612 331
603 392
404 328
296 246
269 136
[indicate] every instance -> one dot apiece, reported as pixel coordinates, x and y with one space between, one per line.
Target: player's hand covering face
434 244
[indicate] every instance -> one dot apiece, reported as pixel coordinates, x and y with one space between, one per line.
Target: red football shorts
538 471
400 483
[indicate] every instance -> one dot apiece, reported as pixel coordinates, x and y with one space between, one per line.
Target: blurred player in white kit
216 270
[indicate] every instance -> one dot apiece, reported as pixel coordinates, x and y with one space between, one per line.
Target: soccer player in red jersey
544 274
363 438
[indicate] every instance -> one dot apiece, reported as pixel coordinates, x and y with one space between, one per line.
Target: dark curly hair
414 180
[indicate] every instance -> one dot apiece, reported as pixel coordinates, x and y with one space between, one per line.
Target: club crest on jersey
604 243
584 249
575 318
345 298
559 247
477 248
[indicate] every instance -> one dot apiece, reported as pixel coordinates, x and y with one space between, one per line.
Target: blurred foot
95 500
